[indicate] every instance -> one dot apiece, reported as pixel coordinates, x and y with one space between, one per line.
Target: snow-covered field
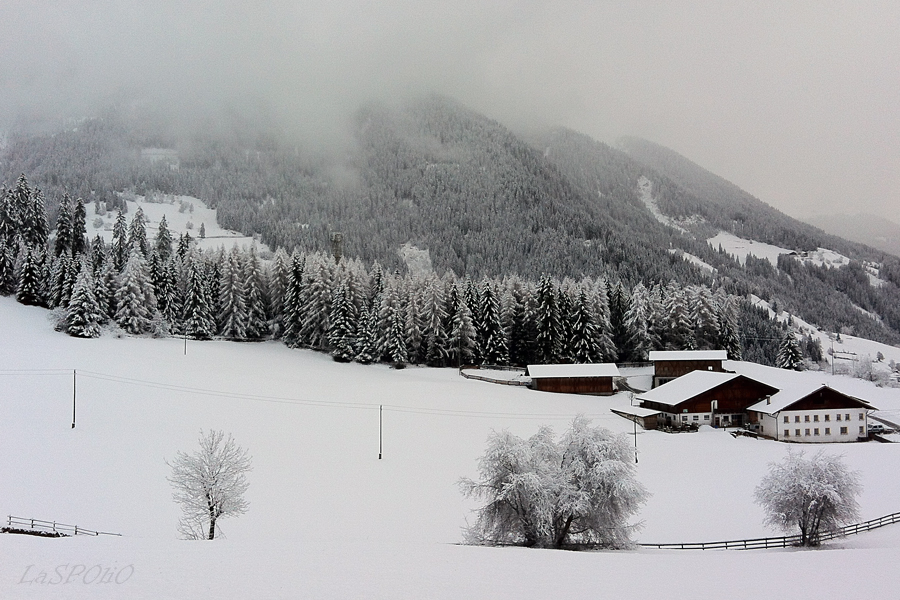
184 214
327 518
739 248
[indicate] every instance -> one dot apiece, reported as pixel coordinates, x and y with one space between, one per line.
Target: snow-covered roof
687 386
636 411
586 370
656 355
786 397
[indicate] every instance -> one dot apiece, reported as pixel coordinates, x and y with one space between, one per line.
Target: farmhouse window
796 418
787 433
806 432
785 419
847 417
816 418
838 418
797 432
862 417
816 431
828 431
843 431
827 418
806 418
862 429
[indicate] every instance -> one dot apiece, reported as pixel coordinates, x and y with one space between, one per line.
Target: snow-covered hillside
184 214
327 519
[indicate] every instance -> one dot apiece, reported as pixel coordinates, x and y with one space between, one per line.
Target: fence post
76 530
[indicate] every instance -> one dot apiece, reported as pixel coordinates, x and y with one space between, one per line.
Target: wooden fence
51 527
462 371
779 542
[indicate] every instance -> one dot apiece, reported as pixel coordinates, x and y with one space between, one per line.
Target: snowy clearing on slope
184 214
645 190
739 248
694 260
327 519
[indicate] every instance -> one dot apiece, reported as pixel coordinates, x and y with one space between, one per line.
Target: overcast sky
796 102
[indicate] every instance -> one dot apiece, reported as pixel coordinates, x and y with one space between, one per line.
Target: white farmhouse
811 414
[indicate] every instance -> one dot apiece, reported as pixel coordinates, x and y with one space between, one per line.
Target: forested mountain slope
481 199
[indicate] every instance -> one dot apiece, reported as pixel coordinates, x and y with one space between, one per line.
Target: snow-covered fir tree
7 269
492 338
366 345
636 321
341 334
413 326
232 314
729 339
462 336
137 233
279 277
135 298
198 314
119 242
584 330
163 241
293 298
83 314
434 335
703 314
391 335
63 242
30 289
255 288
547 320
789 354
79 228
316 300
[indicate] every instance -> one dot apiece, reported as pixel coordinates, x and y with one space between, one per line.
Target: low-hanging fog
798 103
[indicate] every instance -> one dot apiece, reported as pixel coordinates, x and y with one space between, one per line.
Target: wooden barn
811 414
594 379
670 364
706 398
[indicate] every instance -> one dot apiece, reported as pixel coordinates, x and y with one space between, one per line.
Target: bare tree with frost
210 484
814 495
576 492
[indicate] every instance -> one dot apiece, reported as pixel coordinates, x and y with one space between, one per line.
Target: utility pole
73 397
380 429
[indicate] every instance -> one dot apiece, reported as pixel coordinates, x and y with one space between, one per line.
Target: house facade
705 398
671 364
815 414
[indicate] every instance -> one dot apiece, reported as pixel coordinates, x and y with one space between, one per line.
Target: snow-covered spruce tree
492 337
198 315
341 334
279 276
636 322
135 298
79 228
316 300
618 311
412 326
137 233
680 334
789 354
255 290
702 309
391 320
35 229
30 286
565 302
62 277
366 347
7 269
578 491
606 349
163 241
547 320
83 315
293 297
10 219
584 330
729 340
232 315
462 340
434 336
63 242
815 496
120 242
210 484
